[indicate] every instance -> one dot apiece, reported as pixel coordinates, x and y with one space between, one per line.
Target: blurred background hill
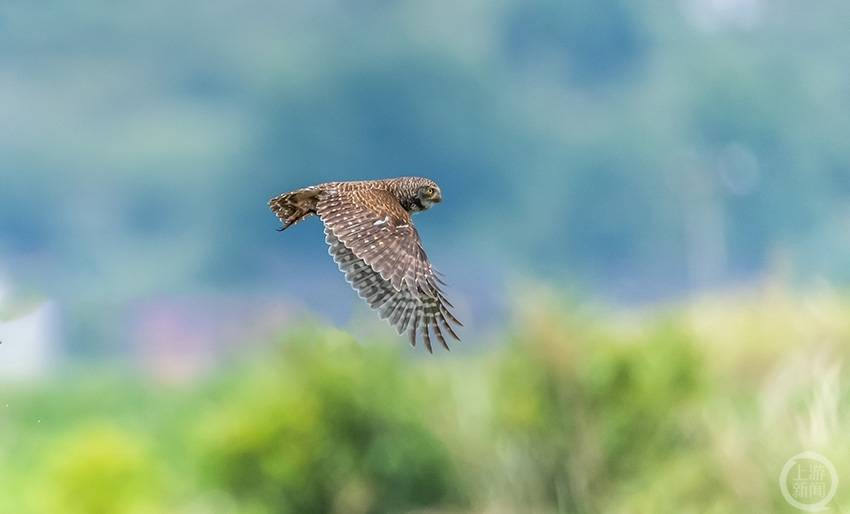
637 153
644 158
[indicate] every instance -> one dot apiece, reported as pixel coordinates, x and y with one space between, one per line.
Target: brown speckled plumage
370 232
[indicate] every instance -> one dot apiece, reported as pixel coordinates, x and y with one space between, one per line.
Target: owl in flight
371 236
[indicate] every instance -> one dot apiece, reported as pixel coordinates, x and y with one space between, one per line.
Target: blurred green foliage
694 409
582 420
327 427
100 470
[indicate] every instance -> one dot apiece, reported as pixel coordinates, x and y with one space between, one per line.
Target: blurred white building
28 339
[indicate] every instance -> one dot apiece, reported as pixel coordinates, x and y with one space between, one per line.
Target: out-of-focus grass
693 409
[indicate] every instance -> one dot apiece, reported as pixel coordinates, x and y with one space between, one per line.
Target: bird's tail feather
295 206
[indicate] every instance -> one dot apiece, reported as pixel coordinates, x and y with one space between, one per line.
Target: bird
370 234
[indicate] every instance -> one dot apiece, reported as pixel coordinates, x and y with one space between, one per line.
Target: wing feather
376 246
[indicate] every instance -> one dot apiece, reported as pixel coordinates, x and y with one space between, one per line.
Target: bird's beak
438 197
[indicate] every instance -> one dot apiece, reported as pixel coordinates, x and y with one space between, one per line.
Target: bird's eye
430 190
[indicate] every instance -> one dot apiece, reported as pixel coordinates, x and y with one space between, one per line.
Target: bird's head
415 194
427 193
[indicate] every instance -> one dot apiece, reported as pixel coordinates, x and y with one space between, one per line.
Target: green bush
689 411
584 410
327 426
100 469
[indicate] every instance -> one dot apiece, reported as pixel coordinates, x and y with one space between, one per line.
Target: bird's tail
295 206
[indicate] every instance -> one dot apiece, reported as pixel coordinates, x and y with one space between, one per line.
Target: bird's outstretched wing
374 242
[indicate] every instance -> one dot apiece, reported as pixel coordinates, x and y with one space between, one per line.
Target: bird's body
370 232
